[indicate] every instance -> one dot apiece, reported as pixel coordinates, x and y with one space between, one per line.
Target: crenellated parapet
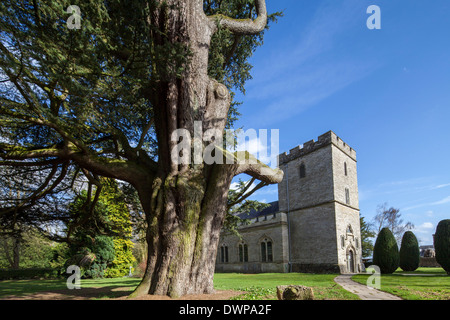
324 140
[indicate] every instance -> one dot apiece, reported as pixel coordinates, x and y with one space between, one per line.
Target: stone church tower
313 227
319 194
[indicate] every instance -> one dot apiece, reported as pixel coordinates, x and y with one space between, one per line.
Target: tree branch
244 196
243 26
248 164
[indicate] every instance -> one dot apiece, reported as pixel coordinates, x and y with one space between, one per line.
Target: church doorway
351 262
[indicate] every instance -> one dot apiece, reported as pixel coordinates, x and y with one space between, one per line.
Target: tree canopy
104 99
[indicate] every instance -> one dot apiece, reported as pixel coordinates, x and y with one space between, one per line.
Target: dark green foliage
442 244
101 239
31 273
366 234
93 255
409 252
229 53
385 252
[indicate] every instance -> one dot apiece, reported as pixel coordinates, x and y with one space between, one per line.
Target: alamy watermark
374 281
74 21
73 281
374 21
213 147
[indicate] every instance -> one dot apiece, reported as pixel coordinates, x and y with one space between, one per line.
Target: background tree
107 98
385 252
409 252
391 218
366 234
35 251
102 239
442 244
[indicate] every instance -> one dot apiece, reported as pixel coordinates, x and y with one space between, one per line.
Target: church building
313 227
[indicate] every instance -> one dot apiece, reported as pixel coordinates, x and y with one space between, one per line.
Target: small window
347 196
263 252
342 242
266 251
243 252
302 170
345 168
349 229
269 252
224 253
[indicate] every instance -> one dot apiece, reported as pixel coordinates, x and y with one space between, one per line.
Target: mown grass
422 284
256 286
24 287
263 286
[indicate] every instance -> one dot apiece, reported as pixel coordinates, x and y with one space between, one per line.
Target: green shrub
442 244
123 260
385 252
409 252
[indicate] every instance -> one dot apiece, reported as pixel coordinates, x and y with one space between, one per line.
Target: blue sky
385 92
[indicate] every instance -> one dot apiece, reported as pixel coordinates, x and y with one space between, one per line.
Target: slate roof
273 208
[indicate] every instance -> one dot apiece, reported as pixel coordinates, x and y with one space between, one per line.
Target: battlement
325 139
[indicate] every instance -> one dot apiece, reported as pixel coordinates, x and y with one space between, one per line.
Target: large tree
107 98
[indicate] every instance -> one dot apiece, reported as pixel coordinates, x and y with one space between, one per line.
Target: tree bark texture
185 205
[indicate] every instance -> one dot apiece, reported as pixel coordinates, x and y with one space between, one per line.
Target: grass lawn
23 287
257 286
422 284
263 286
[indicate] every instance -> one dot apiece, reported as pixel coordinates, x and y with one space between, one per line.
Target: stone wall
313 235
313 189
273 228
428 262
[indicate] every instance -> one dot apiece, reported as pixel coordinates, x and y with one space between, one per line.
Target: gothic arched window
243 252
224 253
266 251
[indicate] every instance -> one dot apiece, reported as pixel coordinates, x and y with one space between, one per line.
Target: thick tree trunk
184 225
186 204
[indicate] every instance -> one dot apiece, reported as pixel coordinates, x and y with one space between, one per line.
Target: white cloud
441 186
436 203
424 232
443 201
426 225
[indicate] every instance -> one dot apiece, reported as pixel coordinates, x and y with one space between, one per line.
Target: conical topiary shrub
409 252
442 244
385 252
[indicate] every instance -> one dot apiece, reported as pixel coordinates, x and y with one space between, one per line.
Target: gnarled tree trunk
185 204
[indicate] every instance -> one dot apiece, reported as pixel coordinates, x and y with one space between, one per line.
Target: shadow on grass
57 289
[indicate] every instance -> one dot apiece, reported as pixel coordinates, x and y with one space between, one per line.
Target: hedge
32 273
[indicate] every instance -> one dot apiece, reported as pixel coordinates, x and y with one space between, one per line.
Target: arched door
351 261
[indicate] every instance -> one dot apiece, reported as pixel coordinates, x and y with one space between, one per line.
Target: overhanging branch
243 26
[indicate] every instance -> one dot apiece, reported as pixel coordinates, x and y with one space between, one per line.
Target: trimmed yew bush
409 252
385 252
442 244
